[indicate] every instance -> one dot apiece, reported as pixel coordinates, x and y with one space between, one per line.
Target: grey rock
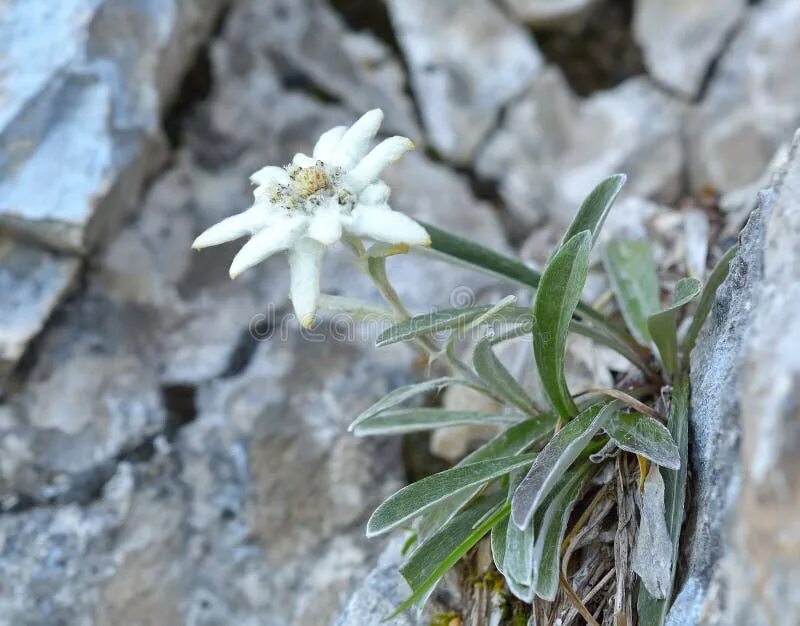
680 39
752 102
553 148
84 83
742 533
33 282
549 12
467 60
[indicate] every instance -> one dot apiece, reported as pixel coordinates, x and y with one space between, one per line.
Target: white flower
306 206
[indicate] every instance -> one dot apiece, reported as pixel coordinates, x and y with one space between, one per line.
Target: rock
467 61
681 39
752 103
33 283
552 149
548 13
742 533
83 89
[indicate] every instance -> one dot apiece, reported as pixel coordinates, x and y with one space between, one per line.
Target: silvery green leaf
401 394
715 279
518 562
437 554
632 271
413 499
428 323
554 459
550 529
357 309
644 436
515 440
653 610
593 211
663 325
652 555
401 421
499 379
559 293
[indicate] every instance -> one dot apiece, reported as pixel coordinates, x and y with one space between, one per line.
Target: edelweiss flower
306 206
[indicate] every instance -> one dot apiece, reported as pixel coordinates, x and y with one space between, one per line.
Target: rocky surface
680 39
466 61
172 450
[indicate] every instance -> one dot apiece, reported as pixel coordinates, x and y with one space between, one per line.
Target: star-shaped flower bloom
308 205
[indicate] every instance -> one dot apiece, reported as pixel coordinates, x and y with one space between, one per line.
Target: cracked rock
680 39
752 103
83 84
467 61
552 148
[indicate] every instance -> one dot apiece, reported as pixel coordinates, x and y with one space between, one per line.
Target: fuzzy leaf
593 211
653 610
413 499
644 436
515 440
431 560
428 323
554 459
715 279
403 421
632 271
401 394
558 294
652 555
551 527
663 325
499 379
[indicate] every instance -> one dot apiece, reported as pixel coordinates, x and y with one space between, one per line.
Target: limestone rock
752 103
83 89
467 60
553 149
680 38
743 536
33 282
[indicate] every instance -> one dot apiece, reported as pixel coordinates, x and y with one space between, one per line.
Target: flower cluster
311 203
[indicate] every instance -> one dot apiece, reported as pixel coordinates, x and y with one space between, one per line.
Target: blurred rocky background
171 454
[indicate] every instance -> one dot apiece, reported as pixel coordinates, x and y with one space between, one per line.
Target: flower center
306 181
309 188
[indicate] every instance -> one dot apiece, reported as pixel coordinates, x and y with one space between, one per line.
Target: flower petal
356 140
376 193
267 242
327 143
305 261
244 223
384 224
370 167
325 227
270 174
303 160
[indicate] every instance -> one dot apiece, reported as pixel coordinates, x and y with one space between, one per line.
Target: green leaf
428 323
652 555
558 294
554 459
431 560
550 530
515 440
644 436
414 420
413 499
715 279
593 211
663 326
401 394
632 272
652 610
499 379
518 563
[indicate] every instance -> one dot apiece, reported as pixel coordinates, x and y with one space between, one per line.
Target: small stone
467 60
